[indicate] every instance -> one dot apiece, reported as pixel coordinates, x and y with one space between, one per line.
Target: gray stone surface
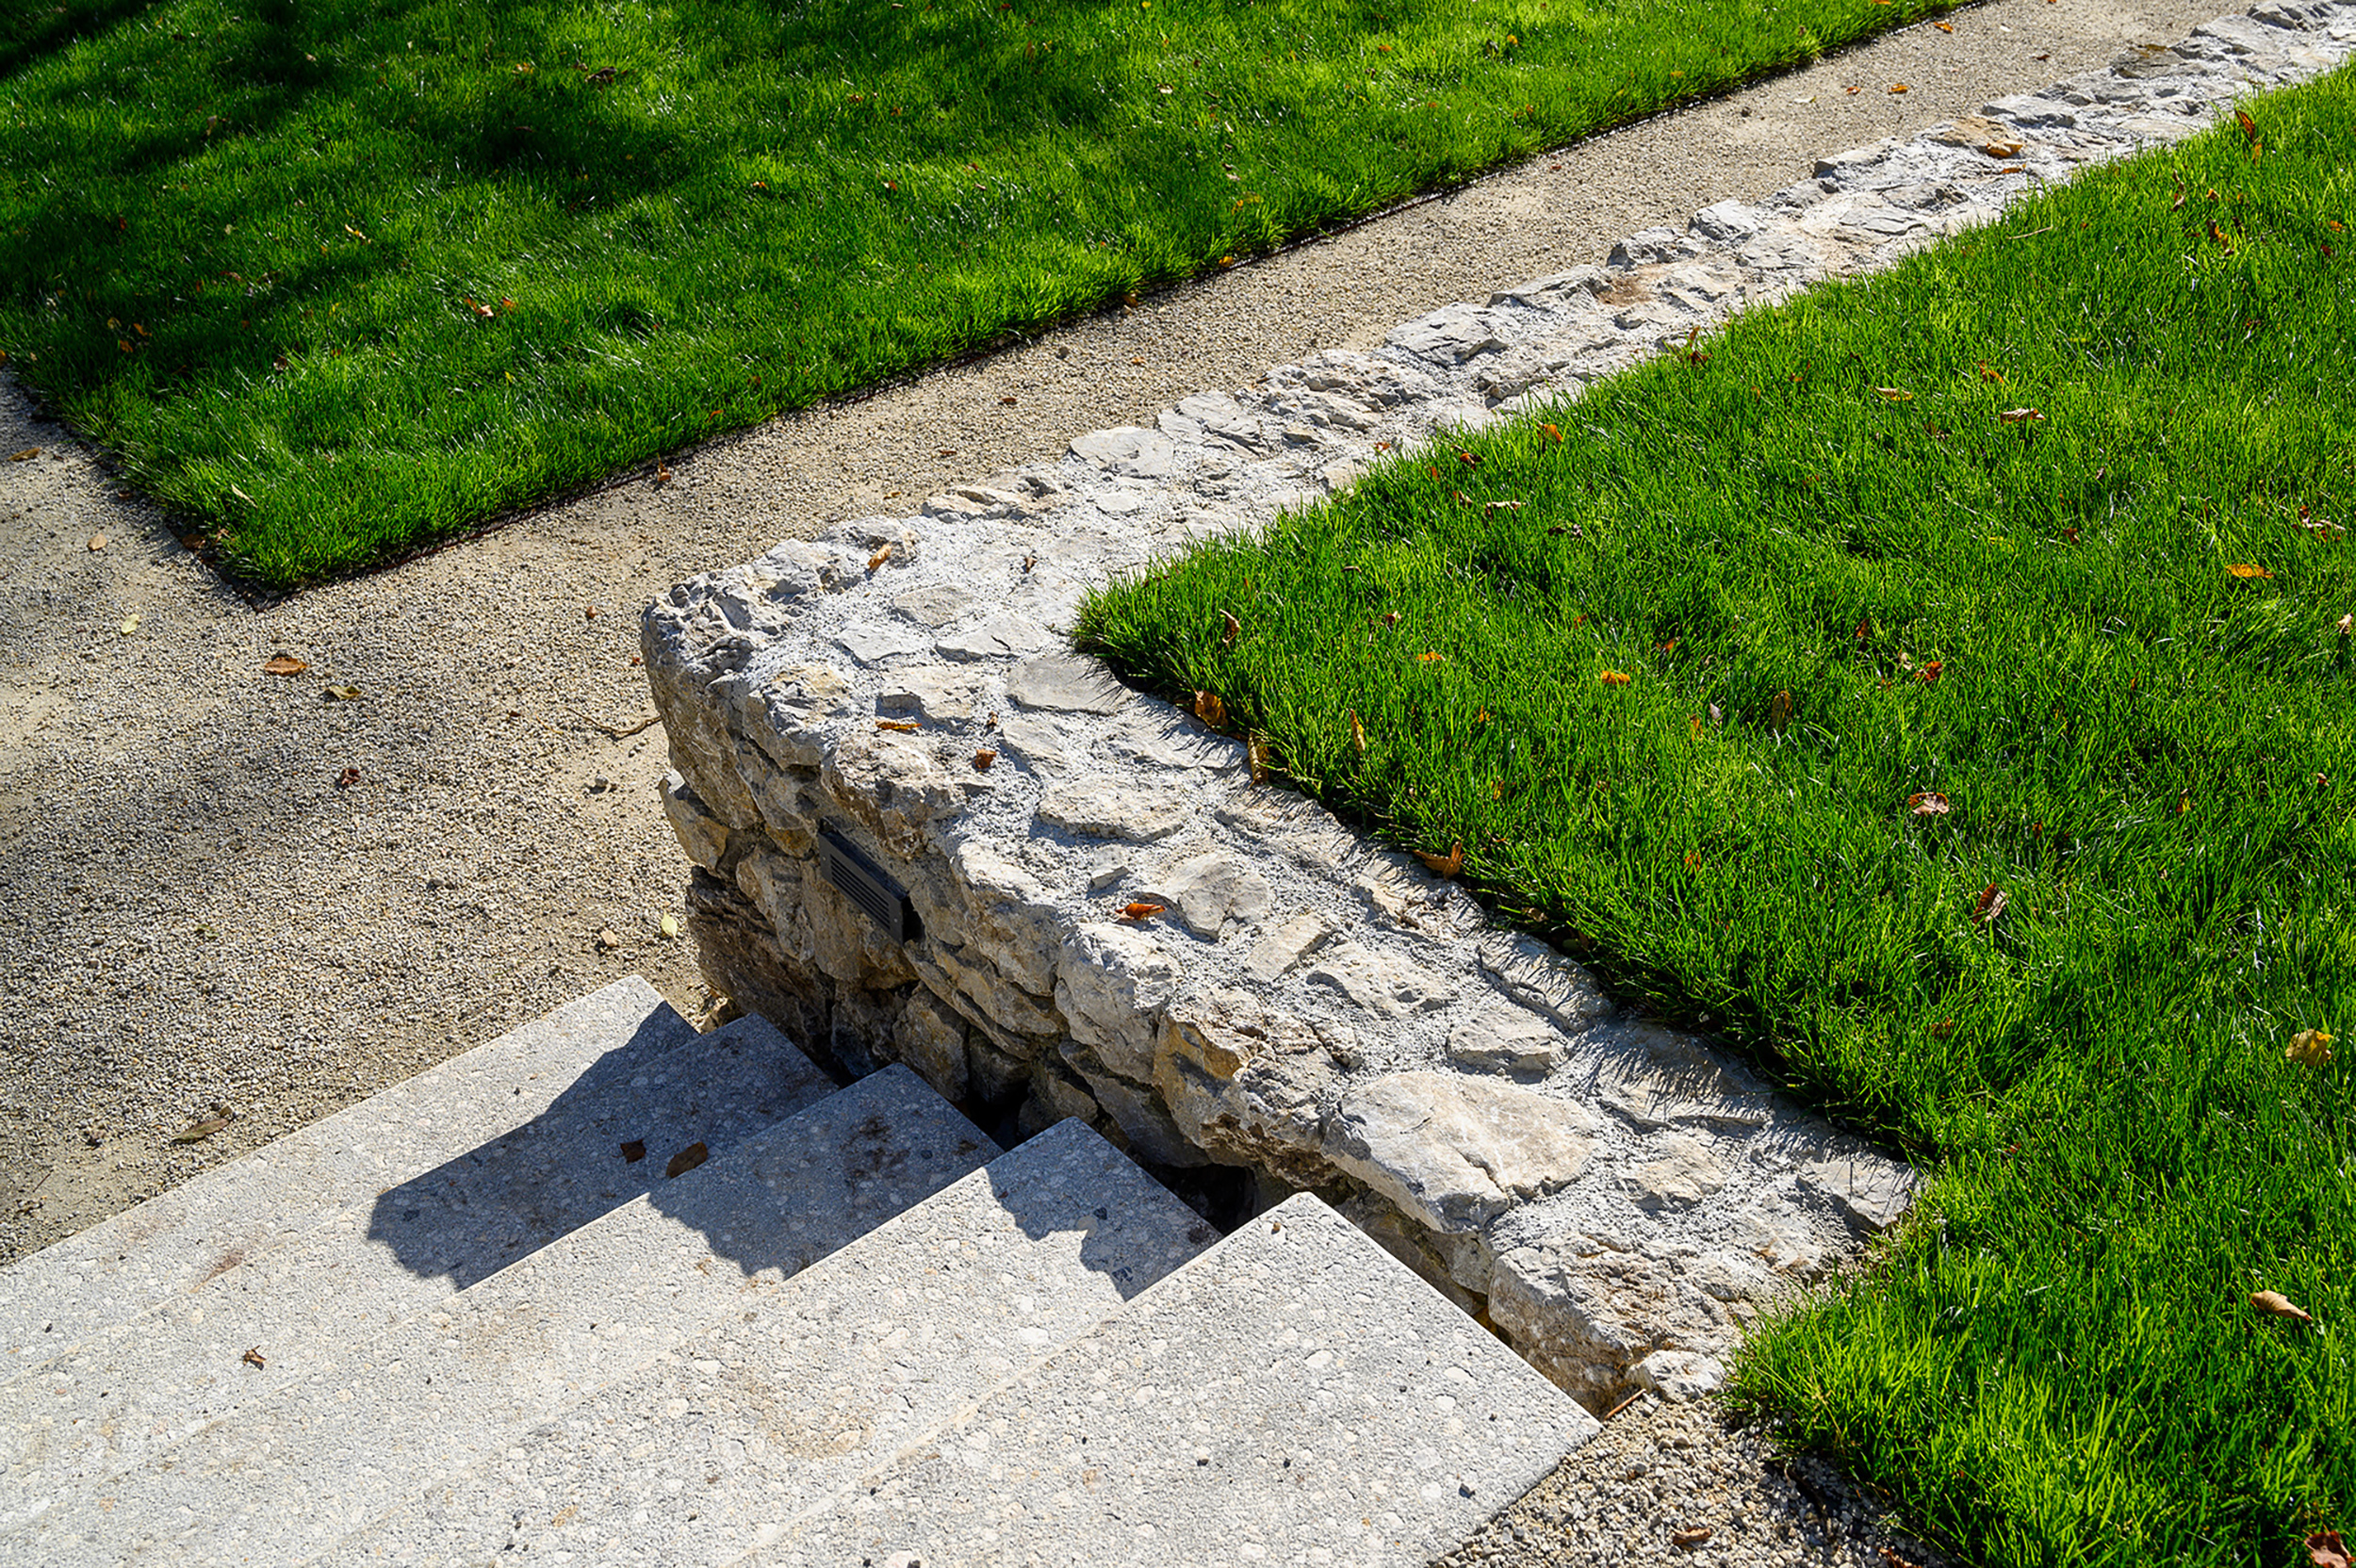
181 1365
415 1402
1457 1152
169 1245
762 1418
1352 1416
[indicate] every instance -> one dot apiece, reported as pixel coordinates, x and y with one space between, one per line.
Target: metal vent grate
858 880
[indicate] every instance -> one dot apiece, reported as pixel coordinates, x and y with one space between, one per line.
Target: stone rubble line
1619 1199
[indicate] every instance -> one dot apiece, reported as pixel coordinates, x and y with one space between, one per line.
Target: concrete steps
300 1306
855 1334
1294 1394
173 1242
432 1397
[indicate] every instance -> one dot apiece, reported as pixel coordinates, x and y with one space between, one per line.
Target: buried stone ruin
923 833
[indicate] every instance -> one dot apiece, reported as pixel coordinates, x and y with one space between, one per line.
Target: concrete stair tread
185 1363
722 1443
173 1242
438 1395
1293 1395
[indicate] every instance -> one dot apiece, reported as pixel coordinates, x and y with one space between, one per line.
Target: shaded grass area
1790 661
339 279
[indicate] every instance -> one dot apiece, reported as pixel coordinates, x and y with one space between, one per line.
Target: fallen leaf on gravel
2279 1305
1690 1539
1944 27
879 558
25 456
201 1130
1005 402
2022 417
1988 905
2243 569
340 693
253 1357
346 779
661 474
1899 87
687 1159
901 726
98 541
1929 803
2309 1048
634 1150
668 925
1141 911
283 663
2324 1551
1444 865
2000 150
982 761
130 623
607 940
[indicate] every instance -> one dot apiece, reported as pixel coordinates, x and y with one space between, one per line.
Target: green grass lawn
1891 652
340 279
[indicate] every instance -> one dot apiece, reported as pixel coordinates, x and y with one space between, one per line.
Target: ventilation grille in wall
858 880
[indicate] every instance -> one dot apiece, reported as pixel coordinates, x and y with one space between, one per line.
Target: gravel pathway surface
229 893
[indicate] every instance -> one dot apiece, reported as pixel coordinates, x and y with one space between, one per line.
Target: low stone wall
1617 1198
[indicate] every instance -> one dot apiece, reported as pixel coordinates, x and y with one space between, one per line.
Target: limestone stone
1451 335
1678 1375
1872 1191
785 715
878 641
1139 1120
1130 449
1283 943
1037 738
1247 1085
703 835
1012 925
930 1037
773 882
1781 1240
1457 1152
790 800
1001 1003
1216 420
934 605
1066 683
1586 1313
1384 983
1653 1078
1208 892
1537 976
1679 1172
1503 1039
1001 636
1111 983
929 691
848 944
1106 807
1063 1092
890 785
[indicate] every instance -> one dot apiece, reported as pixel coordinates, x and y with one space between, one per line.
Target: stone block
1247 1085
1111 983
1455 1151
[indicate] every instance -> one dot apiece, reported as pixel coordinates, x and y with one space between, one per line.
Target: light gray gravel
202 920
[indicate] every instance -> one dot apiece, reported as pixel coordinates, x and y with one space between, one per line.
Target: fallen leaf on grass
982 759
1234 628
1141 910
687 1159
2275 1303
2324 1551
201 1130
1357 733
1928 803
1943 1028
253 1357
1444 865
1895 394
1210 709
1929 674
1990 906
1780 713
2020 417
2243 569
283 663
2309 1048
1428 656
1615 678
2347 624
879 558
634 1150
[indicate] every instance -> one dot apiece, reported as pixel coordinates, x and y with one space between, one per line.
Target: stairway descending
300 1305
854 1333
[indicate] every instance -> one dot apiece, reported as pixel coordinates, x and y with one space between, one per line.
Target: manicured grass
1838 581
340 279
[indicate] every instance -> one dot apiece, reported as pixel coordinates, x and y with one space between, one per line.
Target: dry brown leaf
283 663
2326 1550
2022 417
1944 27
1780 713
634 1150
1990 906
1141 911
1357 733
1615 678
1899 87
1943 1028
253 1357
1255 752
687 1159
1688 1540
2309 1048
879 558
1210 709
1428 656
346 779
1235 629
1929 803
607 940
2243 569
982 761
1987 374
903 727
1444 865
1895 394
201 1130
340 693
2000 150
2347 624
1929 674
661 474
25 456
2279 1305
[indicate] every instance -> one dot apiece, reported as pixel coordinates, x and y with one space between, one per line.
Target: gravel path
228 894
